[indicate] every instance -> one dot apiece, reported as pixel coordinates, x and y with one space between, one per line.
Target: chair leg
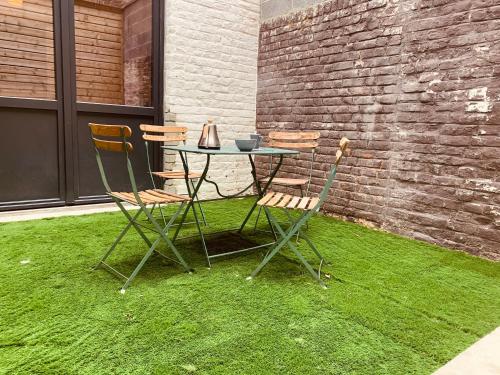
312 246
132 220
286 236
273 252
154 245
199 205
139 266
169 224
294 228
257 219
161 213
163 234
200 232
296 251
118 239
302 195
306 238
273 231
307 265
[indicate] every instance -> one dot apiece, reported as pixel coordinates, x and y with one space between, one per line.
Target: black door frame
67 107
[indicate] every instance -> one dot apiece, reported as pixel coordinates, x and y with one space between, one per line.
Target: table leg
261 192
190 204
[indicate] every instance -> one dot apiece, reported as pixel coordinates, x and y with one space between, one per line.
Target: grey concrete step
482 358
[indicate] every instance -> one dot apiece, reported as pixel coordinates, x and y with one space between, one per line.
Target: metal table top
230 150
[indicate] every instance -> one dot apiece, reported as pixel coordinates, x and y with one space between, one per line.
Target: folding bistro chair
306 142
307 206
157 133
119 134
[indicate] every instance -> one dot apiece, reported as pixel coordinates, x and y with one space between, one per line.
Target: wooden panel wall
27 66
27 49
99 53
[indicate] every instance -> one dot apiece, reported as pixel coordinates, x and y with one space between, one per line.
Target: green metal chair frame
119 134
309 206
170 134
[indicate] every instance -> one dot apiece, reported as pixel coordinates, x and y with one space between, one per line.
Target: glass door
63 64
31 154
114 64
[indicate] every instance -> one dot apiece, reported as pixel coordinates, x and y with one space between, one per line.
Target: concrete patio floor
44 213
482 358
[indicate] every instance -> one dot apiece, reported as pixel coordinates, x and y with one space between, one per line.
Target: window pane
27 49
113 51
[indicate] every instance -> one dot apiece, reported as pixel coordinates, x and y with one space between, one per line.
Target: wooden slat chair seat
280 200
177 175
304 141
152 196
307 207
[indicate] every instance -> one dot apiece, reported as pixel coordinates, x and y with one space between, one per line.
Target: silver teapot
209 137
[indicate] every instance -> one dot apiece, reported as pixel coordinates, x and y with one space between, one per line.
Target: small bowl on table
245 144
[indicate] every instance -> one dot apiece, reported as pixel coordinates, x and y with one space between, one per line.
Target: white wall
211 72
275 8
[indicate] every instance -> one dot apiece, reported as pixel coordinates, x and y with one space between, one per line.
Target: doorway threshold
45 213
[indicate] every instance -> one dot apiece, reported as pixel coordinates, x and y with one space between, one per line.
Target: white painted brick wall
211 51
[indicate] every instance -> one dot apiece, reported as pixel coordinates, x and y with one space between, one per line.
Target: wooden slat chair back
169 134
157 133
308 206
306 140
120 132
114 138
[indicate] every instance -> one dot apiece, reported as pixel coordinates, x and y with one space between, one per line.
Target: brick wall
211 72
414 85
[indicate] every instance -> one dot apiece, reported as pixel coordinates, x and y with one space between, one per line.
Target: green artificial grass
393 305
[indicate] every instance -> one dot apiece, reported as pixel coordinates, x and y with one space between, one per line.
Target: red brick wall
415 86
137 51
